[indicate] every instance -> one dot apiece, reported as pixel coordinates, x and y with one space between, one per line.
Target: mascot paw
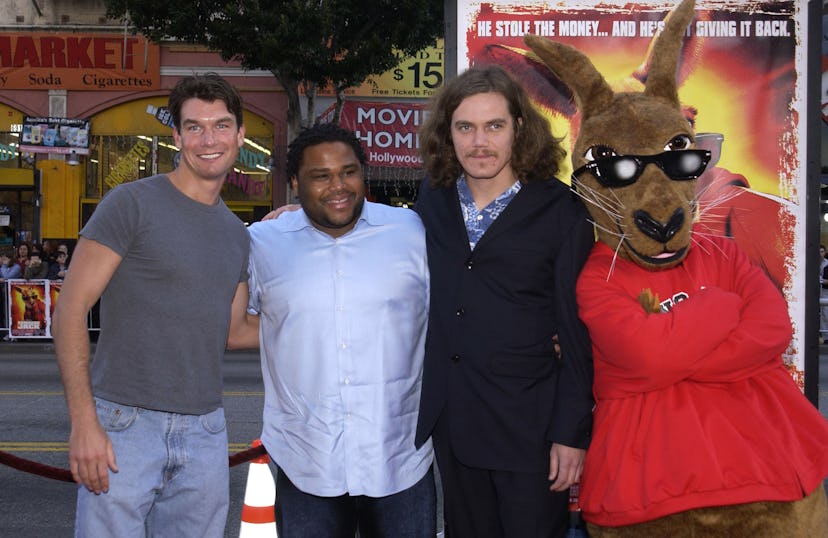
649 301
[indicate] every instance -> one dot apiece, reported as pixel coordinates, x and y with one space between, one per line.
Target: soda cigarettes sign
388 131
78 62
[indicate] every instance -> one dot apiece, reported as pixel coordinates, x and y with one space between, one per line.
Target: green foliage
302 42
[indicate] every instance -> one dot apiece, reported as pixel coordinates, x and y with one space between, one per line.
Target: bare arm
90 451
244 327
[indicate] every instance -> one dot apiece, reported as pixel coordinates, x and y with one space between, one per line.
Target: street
34 425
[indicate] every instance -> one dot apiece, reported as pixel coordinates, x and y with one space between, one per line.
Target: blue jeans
411 513
173 477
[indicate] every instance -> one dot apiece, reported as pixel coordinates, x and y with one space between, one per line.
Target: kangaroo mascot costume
699 428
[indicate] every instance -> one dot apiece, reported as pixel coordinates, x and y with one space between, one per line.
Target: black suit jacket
490 360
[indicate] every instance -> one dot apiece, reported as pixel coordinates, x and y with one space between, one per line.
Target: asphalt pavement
34 425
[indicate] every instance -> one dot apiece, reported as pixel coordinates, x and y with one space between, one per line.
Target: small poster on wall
55 135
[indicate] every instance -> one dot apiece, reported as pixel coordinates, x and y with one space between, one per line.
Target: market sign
55 135
388 131
99 62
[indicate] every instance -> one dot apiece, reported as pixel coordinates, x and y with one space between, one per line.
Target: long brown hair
536 154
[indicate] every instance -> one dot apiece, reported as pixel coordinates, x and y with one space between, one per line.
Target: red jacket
694 406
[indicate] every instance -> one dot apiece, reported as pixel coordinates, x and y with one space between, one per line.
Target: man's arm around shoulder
244 327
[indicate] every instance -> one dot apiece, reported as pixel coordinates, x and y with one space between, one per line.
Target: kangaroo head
634 160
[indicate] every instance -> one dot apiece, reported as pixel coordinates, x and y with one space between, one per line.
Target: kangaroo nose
653 229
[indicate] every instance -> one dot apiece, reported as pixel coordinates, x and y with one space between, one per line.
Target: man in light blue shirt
340 289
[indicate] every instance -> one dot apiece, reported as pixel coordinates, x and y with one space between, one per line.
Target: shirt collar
504 198
298 220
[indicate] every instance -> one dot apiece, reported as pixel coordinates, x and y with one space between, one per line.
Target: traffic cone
258 516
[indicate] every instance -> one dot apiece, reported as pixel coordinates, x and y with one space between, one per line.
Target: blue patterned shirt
478 221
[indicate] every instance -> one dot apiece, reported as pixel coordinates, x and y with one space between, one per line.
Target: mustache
482 153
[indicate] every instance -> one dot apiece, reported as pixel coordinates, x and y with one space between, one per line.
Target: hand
649 301
91 456
565 466
279 210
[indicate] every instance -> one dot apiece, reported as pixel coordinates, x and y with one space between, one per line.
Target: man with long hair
508 410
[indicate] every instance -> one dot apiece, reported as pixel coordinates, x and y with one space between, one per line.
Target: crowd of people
48 260
390 339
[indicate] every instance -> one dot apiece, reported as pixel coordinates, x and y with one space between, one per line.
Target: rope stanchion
64 475
33 467
245 456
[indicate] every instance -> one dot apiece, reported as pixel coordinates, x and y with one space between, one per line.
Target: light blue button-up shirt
342 334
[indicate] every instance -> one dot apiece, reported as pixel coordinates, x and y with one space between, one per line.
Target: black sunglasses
623 170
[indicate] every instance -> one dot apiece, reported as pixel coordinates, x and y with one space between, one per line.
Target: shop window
120 159
18 210
251 178
9 158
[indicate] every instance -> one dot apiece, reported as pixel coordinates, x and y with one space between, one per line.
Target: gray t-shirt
166 312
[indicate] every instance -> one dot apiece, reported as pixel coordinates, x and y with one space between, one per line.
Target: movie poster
741 81
29 313
54 291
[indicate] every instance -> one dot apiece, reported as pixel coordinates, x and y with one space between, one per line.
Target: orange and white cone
258 516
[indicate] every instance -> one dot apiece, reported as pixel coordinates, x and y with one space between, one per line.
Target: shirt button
343 345
460 312
455 358
347 380
479 217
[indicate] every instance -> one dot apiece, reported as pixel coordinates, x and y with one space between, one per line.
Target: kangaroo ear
661 79
591 90
534 75
689 57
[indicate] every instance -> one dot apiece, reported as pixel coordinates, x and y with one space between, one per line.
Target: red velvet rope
64 475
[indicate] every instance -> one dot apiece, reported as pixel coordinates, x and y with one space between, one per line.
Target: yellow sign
416 77
127 167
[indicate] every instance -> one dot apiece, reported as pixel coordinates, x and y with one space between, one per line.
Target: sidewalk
43 345
46 345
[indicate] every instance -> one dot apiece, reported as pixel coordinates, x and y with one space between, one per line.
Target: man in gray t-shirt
148 443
